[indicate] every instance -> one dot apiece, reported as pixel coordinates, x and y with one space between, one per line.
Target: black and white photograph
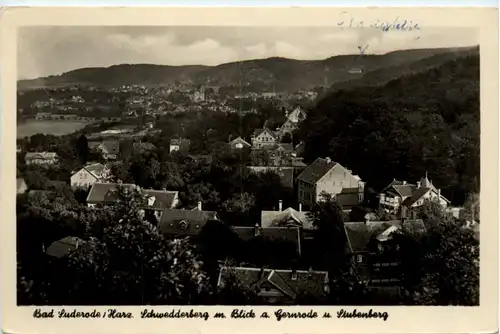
248 165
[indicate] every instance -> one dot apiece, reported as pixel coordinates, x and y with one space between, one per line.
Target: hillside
382 76
424 122
281 74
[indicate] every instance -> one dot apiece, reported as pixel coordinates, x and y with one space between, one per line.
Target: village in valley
207 194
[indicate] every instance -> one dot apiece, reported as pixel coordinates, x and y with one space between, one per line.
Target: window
183 225
359 258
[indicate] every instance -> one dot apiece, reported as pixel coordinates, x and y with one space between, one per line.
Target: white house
88 175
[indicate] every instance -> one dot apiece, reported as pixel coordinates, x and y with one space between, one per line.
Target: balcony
389 201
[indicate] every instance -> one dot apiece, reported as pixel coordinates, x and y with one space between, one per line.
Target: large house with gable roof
104 194
88 175
402 198
292 122
374 258
279 286
263 137
325 175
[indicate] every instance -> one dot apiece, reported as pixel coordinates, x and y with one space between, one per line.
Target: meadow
57 128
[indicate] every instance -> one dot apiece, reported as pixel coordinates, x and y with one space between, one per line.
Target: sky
53 50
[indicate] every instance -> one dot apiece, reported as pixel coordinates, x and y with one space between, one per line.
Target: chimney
310 272
419 184
300 207
328 160
294 275
199 205
367 218
280 205
257 229
404 182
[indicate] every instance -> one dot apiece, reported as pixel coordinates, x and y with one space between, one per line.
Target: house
183 223
286 174
277 154
41 158
108 148
181 145
292 122
102 194
402 198
141 147
239 143
263 137
374 259
325 175
286 218
63 247
280 236
21 186
276 286
88 175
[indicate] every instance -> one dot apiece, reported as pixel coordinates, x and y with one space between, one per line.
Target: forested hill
281 74
423 122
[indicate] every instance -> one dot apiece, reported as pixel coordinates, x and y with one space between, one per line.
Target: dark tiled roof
291 283
271 234
143 146
359 234
112 146
257 132
64 246
107 193
239 140
417 194
286 217
285 173
40 155
185 222
316 170
95 169
180 142
404 190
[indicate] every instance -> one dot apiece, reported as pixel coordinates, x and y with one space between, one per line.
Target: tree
327 217
131 263
82 148
440 267
287 138
238 207
201 192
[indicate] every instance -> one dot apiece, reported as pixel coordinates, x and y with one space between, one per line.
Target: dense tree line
427 122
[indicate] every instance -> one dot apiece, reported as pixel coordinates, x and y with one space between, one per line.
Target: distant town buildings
41 158
179 144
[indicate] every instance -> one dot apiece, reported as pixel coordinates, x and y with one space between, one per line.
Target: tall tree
82 148
328 219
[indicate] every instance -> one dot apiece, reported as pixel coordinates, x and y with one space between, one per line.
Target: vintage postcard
241 170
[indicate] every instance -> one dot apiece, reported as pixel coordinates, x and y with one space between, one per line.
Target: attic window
183 225
294 276
359 258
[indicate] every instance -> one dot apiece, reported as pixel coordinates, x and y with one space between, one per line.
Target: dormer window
183 225
294 275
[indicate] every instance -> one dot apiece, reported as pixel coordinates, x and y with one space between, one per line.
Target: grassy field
56 128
